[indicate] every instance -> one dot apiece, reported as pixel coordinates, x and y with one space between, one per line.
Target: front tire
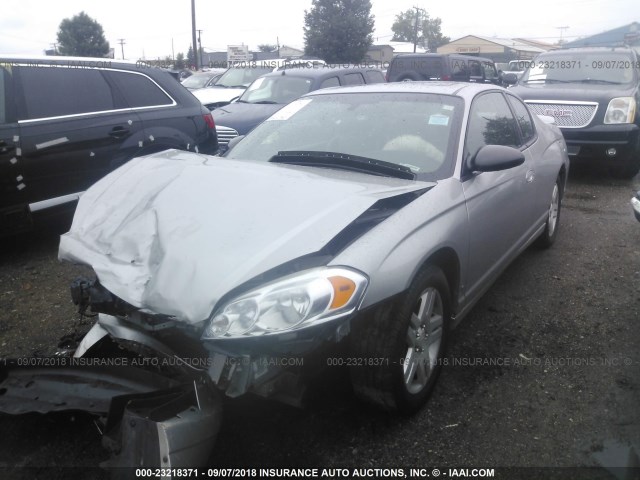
407 340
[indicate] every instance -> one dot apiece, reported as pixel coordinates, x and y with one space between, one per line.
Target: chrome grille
225 134
567 114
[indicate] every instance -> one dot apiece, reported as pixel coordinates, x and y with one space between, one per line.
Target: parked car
203 79
594 94
437 66
517 67
237 78
371 217
635 202
271 92
66 122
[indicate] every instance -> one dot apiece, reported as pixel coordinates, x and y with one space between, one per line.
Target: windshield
280 89
196 81
413 130
580 67
241 77
519 66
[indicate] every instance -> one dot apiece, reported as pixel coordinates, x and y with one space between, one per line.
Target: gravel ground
545 371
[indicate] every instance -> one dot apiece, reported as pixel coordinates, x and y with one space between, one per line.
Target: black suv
66 122
436 66
594 95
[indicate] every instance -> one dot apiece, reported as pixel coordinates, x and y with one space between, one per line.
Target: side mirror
510 78
493 158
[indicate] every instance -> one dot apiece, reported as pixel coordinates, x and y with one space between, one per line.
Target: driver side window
490 123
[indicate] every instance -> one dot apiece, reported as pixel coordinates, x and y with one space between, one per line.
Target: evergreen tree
338 31
82 36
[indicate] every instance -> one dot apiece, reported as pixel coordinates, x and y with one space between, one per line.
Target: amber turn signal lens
343 289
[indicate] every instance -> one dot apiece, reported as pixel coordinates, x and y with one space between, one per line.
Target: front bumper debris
149 420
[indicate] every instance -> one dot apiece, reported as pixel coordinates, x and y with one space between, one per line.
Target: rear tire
402 345
548 237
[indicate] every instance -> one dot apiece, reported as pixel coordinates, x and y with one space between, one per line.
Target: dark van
436 66
66 122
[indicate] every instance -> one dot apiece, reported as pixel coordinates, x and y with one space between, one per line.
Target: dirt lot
544 372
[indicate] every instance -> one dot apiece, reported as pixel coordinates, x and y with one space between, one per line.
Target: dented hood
174 231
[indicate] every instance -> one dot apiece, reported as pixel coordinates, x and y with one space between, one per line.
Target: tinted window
353 79
139 90
474 69
330 82
428 67
374 76
459 70
56 91
523 118
490 123
489 70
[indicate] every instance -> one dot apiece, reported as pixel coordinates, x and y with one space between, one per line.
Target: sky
153 29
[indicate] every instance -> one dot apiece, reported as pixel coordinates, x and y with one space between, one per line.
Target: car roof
439 55
61 60
460 89
317 72
564 51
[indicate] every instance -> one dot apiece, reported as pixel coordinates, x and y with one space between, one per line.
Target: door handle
119 132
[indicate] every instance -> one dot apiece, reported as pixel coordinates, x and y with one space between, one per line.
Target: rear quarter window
523 118
59 91
139 90
374 76
353 79
330 82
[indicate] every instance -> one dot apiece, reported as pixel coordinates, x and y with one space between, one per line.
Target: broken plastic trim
153 421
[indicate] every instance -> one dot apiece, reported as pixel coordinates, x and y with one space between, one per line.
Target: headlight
294 302
620 110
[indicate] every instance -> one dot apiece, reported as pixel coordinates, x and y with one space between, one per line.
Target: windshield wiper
595 80
548 80
343 161
264 102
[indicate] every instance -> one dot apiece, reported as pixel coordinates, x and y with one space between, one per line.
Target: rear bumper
593 143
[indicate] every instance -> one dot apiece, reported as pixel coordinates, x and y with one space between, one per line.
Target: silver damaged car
371 217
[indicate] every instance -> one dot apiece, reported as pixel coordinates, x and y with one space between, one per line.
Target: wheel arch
447 260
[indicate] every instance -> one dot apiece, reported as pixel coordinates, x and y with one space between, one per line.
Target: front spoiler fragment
151 420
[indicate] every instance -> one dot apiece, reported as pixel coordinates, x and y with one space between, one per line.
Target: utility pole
122 43
193 33
173 53
278 44
562 29
55 48
200 48
415 29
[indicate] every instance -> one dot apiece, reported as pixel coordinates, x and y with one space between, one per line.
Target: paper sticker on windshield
439 120
448 107
290 110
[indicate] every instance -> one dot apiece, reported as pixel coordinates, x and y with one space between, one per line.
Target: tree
180 61
428 33
82 36
338 31
191 60
267 47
